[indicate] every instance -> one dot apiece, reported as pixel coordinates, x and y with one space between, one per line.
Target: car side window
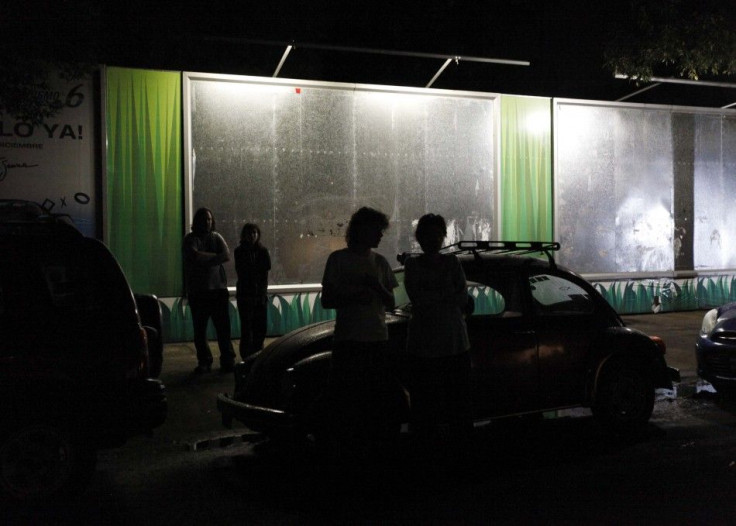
558 295
486 300
497 296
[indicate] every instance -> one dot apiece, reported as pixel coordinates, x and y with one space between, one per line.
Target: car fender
305 383
628 344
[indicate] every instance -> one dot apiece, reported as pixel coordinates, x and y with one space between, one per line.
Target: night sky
564 41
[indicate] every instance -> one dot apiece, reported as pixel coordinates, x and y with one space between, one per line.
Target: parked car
74 356
715 348
542 339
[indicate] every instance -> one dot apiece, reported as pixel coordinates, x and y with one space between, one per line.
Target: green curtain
526 169
144 221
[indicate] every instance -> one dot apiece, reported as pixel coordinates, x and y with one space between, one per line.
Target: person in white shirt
358 283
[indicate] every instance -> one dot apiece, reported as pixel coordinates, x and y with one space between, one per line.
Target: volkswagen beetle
542 339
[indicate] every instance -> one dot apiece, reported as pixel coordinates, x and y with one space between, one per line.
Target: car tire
624 397
44 462
330 438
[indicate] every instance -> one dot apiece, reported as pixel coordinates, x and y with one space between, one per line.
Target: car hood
726 317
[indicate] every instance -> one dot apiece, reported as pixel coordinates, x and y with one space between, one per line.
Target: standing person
437 342
204 252
358 283
252 263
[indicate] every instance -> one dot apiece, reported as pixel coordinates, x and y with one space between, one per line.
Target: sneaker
201 369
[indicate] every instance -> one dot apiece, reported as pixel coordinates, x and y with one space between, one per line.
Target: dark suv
542 339
74 357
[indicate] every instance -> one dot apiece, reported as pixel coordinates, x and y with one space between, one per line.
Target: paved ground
681 472
194 421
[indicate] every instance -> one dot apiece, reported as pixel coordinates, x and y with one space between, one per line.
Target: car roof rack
476 247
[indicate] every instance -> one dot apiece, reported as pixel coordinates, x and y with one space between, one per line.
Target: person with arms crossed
358 283
204 252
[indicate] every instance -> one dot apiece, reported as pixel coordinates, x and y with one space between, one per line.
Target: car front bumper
716 362
256 418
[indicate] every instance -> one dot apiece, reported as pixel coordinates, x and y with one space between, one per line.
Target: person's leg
199 307
245 338
221 321
245 311
260 321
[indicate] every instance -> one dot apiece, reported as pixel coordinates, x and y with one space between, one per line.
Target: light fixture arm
283 59
439 72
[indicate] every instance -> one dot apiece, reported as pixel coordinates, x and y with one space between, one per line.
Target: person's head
203 221
366 228
431 233
250 234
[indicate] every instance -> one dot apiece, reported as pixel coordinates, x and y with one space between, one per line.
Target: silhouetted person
204 252
252 263
358 283
437 342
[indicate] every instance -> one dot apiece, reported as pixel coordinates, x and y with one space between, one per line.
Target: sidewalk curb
223 441
685 388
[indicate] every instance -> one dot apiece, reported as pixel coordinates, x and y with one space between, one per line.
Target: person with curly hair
358 283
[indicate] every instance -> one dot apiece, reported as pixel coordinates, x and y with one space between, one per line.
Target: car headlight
709 322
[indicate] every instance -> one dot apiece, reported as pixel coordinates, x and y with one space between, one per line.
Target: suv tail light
139 369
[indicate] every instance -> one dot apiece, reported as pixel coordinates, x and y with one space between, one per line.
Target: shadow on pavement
388 486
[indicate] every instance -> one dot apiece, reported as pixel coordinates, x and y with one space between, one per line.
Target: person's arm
330 285
213 258
265 266
384 294
239 263
388 284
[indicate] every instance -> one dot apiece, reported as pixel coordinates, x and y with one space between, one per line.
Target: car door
565 324
503 348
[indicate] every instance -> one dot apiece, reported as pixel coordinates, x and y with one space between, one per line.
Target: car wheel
325 428
624 397
40 462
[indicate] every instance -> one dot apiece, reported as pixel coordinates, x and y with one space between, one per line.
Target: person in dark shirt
204 252
437 341
252 263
